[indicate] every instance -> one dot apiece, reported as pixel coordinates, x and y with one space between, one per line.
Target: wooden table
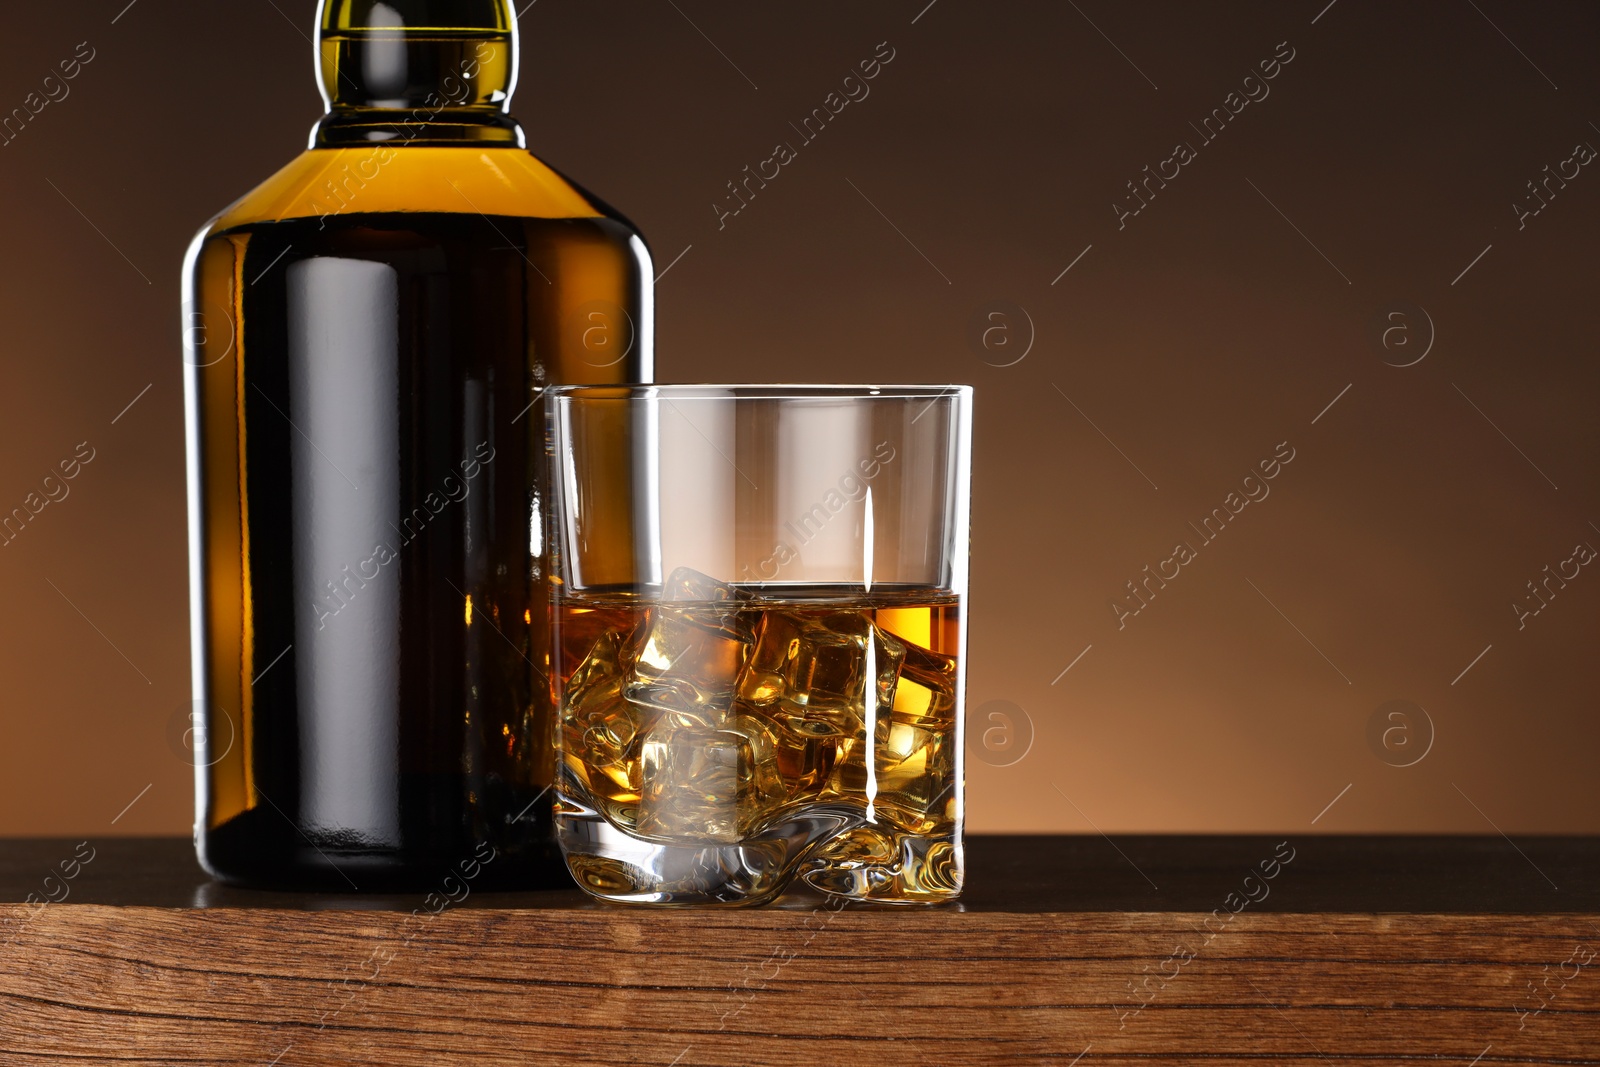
1150 950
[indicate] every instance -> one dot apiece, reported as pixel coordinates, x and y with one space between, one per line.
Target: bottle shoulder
380 178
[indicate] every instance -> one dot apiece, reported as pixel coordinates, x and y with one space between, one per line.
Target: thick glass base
830 850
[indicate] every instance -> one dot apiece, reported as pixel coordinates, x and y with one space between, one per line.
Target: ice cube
912 752
685 583
916 776
764 792
807 678
600 729
602 739
804 762
691 660
927 687
601 675
690 785
696 643
703 784
810 666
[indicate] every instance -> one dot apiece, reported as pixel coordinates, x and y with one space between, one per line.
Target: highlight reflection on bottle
368 336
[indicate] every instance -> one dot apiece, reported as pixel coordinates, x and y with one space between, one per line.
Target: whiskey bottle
368 335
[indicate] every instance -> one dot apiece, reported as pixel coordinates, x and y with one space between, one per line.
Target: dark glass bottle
368 336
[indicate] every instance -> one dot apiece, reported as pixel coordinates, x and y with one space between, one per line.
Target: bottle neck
425 72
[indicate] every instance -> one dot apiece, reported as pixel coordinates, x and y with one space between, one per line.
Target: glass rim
713 391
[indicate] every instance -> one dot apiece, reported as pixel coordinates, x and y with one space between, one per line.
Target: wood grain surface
1217 951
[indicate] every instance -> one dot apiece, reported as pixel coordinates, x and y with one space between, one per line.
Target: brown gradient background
1196 339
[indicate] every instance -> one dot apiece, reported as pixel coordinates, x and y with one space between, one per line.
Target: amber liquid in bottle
368 338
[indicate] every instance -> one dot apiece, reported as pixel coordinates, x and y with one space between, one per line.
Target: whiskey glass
758 652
